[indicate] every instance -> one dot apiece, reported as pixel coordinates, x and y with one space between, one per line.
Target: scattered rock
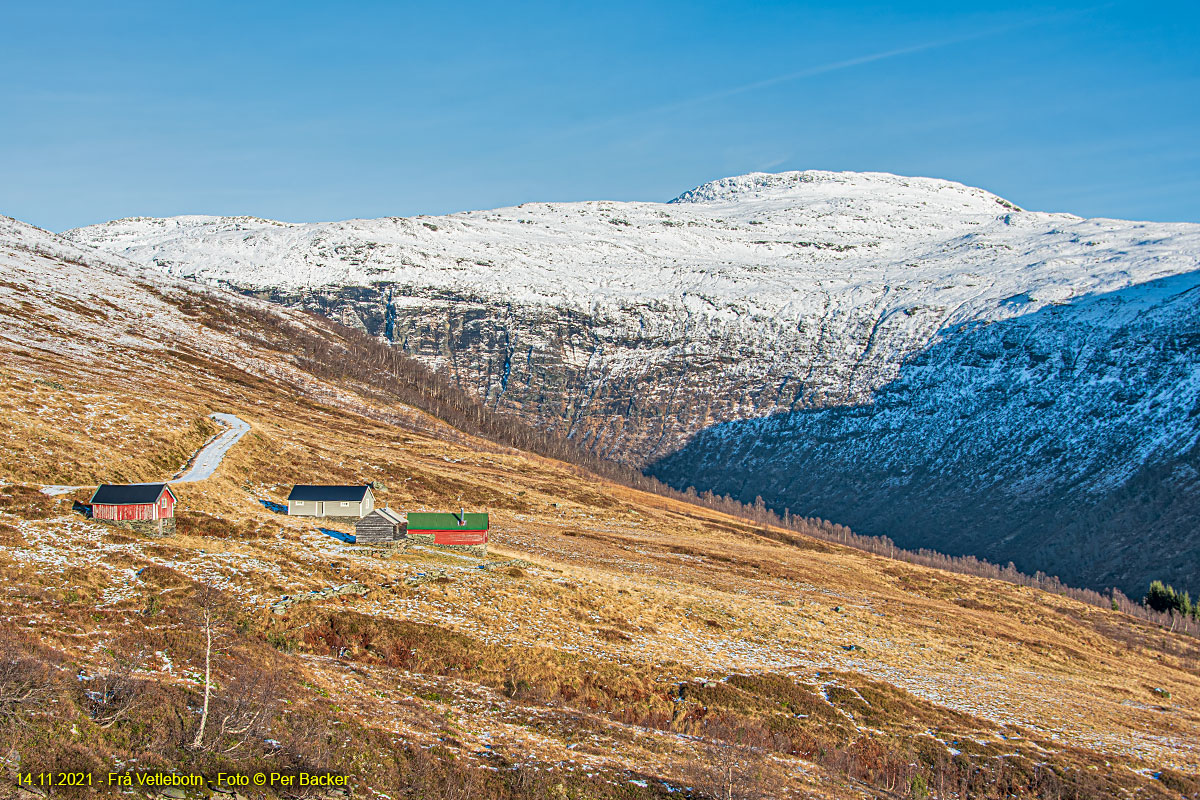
428 576
284 603
517 563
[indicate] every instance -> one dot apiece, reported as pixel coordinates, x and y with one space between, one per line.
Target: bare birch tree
208 615
246 703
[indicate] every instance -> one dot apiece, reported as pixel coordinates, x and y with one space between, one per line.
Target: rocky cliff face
636 326
631 380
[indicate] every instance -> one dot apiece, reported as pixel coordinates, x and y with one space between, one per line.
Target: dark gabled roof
419 521
129 494
327 494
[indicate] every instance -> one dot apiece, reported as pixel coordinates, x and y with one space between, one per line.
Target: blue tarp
341 537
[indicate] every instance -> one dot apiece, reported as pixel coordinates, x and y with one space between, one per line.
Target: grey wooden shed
379 527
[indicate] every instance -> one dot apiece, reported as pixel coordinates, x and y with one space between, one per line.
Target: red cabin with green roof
449 528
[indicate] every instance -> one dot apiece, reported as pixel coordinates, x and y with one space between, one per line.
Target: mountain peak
824 183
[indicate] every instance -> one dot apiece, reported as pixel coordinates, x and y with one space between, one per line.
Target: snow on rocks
816 284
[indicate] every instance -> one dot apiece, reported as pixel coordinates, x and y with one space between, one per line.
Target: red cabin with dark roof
131 502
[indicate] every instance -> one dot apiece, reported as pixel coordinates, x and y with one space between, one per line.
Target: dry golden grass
576 654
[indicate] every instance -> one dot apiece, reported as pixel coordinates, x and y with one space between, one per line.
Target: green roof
422 521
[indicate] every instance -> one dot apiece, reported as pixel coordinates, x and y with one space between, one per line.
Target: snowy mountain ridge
803 185
756 238
835 277
635 326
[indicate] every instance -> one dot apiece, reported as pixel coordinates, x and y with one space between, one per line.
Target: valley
613 644
848 328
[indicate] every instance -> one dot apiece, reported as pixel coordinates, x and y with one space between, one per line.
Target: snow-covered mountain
890 327
1066 440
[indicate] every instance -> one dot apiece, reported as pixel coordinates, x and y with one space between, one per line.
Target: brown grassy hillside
613 644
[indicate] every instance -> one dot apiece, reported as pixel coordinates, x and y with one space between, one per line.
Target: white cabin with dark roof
308 500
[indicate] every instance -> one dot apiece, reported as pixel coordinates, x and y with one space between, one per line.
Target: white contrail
810 72
834 66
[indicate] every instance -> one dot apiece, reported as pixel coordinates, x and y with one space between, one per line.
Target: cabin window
299 502
345 504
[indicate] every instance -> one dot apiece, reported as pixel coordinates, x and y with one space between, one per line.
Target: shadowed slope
1022 440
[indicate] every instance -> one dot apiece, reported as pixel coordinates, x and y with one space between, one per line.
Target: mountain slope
634 326
1064 440
614 645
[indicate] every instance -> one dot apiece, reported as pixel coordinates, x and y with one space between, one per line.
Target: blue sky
305 111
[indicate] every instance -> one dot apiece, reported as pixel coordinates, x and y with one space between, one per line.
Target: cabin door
320 508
